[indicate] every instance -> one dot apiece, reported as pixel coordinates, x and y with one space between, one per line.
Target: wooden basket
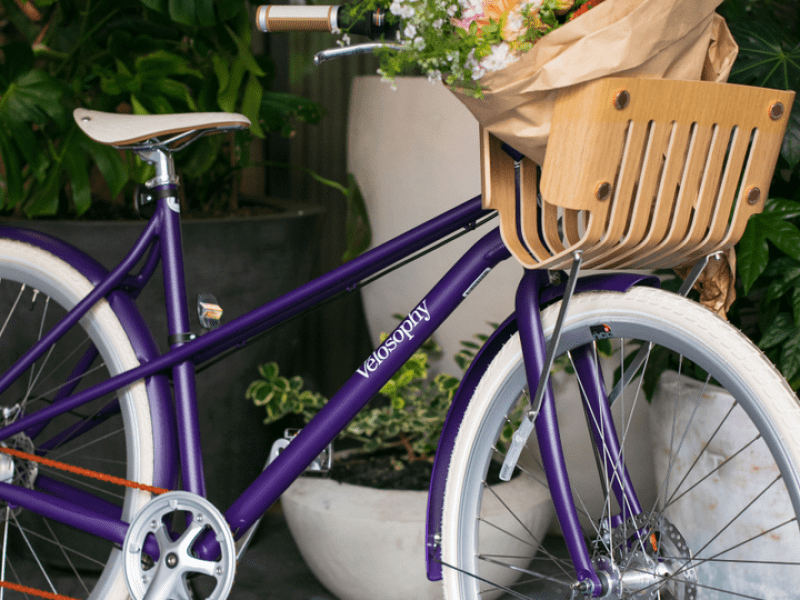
639 173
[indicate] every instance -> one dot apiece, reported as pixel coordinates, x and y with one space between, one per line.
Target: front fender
619 282
142 341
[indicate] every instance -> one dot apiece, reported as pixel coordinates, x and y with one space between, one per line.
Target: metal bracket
321 464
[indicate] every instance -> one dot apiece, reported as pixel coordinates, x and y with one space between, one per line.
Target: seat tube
534 352
166 188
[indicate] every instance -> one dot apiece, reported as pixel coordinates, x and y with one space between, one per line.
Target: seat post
164 164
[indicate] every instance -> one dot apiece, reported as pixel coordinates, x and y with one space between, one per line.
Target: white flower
404 11
499 58
419 43
345 41
437 24
434 76
410 31
452 10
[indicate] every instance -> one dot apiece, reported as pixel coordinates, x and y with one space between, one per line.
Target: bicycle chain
78 471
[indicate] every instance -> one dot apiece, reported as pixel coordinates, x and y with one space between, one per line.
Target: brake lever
331 53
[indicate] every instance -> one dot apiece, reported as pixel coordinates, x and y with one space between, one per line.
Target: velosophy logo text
405 331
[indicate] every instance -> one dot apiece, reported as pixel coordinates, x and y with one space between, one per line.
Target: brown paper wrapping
667 39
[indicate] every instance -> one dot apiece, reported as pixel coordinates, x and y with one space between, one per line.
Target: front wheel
708 419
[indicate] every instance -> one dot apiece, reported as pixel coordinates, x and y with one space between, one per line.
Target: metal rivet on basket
621 99
753 195
86 119
776 110
603 191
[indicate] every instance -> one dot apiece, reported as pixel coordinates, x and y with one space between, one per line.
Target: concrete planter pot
362 543
726 491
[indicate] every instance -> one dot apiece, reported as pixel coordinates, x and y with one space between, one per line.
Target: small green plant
410 419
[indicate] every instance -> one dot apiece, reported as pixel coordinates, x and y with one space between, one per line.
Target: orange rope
33 592
81 471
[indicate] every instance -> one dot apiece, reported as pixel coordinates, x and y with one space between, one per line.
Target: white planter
362 543
732 486
414 153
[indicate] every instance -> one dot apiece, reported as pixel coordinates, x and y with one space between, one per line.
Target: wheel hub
17 471
651 560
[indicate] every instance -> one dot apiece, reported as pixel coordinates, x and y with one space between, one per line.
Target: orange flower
492 10
495 9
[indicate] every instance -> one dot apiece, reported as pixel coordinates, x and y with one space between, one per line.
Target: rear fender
142 341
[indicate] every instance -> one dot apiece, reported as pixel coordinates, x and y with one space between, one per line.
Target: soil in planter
379 471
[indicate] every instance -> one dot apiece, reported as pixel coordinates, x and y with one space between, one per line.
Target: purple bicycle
100 446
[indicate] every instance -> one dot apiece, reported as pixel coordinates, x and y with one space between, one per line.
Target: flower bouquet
506 59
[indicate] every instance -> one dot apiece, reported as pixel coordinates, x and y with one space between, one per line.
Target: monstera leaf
768 58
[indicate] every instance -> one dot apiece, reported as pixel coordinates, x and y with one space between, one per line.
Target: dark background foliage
139 56
768 304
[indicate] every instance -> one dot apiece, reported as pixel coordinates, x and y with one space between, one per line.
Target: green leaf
193 12
13 184
752 253
32 151
785 276
18 59
781 207
790 149
110 164
358 231
783 234
244 52
777 331
251 105
228 96
790 355
160 63
766 58
159 5
35 97
77 169
269 371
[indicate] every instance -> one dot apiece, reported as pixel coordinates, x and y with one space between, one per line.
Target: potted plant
365 523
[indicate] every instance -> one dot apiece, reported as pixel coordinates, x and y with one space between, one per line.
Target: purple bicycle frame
161 237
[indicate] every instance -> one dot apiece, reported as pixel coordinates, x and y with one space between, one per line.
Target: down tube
368 379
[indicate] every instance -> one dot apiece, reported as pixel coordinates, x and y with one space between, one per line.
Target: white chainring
167 578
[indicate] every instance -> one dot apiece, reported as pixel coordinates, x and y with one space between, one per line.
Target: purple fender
620 282
142 341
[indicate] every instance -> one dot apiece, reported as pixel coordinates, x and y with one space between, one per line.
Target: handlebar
271 18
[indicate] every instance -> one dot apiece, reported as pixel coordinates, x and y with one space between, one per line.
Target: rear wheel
719 449
36 290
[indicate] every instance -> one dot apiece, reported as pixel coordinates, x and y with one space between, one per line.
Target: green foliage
139 56
768 255
435 43
411 415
